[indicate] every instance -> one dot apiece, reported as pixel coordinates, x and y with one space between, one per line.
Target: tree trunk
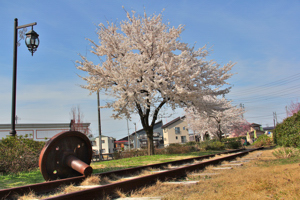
144 116
150 145
219 131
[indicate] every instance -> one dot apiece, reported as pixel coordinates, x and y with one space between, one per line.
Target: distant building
121 145
175 131
269 128
138 139
39 132
257 129
107 144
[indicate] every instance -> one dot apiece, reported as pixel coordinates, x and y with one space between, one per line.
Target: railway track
127 185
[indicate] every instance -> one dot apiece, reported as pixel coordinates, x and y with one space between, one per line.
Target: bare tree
77 121
145 67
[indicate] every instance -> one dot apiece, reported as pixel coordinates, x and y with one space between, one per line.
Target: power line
282 92
283 81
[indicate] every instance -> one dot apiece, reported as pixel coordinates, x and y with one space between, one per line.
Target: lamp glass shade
32 41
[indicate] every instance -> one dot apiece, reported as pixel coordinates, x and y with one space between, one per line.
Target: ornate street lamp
32 42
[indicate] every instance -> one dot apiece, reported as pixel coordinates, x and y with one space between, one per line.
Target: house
39 132
107 144
175 131
121 145
269 131
255 131
138 139
269 128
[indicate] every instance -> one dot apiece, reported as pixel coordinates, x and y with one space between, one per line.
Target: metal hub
67 154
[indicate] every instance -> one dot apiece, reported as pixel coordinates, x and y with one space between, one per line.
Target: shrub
212 145
129 154
19 154
263 140
233 143
178 149
286 152
191 143
287 133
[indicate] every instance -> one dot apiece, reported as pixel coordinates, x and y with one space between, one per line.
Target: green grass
99 167
27 178
20 179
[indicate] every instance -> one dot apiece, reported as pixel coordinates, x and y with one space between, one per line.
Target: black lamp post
32 42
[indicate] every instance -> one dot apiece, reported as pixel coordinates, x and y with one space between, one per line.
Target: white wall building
176 131
39 132
107 144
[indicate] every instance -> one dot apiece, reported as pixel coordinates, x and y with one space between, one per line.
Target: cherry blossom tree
217 120
240 129
293 108
144 66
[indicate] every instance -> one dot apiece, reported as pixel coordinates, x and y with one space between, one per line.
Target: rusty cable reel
67 154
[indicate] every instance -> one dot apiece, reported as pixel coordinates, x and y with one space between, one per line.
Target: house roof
124 138
41 125
102 136
121 141
173 121
254 125
268 128
143 129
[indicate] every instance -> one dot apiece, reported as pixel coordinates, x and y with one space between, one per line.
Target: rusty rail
46 187
132 184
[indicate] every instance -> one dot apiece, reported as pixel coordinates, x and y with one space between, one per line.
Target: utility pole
135 135
275 119
242 106
99 125
17 118
128 135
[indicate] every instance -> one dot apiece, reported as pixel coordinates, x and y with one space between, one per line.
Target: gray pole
135 136
99 126
128 135
14 83
13 131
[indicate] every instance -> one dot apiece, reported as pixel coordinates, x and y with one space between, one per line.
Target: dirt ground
262 177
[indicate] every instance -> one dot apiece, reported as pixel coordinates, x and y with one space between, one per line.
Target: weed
91 180
286 152
252 181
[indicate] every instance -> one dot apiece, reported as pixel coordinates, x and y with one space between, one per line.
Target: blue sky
262 37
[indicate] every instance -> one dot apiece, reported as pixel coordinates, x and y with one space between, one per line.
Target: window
103 141
176 138
177 130
183 139
183 128
155 134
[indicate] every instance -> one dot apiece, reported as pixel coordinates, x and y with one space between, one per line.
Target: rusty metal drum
67 154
